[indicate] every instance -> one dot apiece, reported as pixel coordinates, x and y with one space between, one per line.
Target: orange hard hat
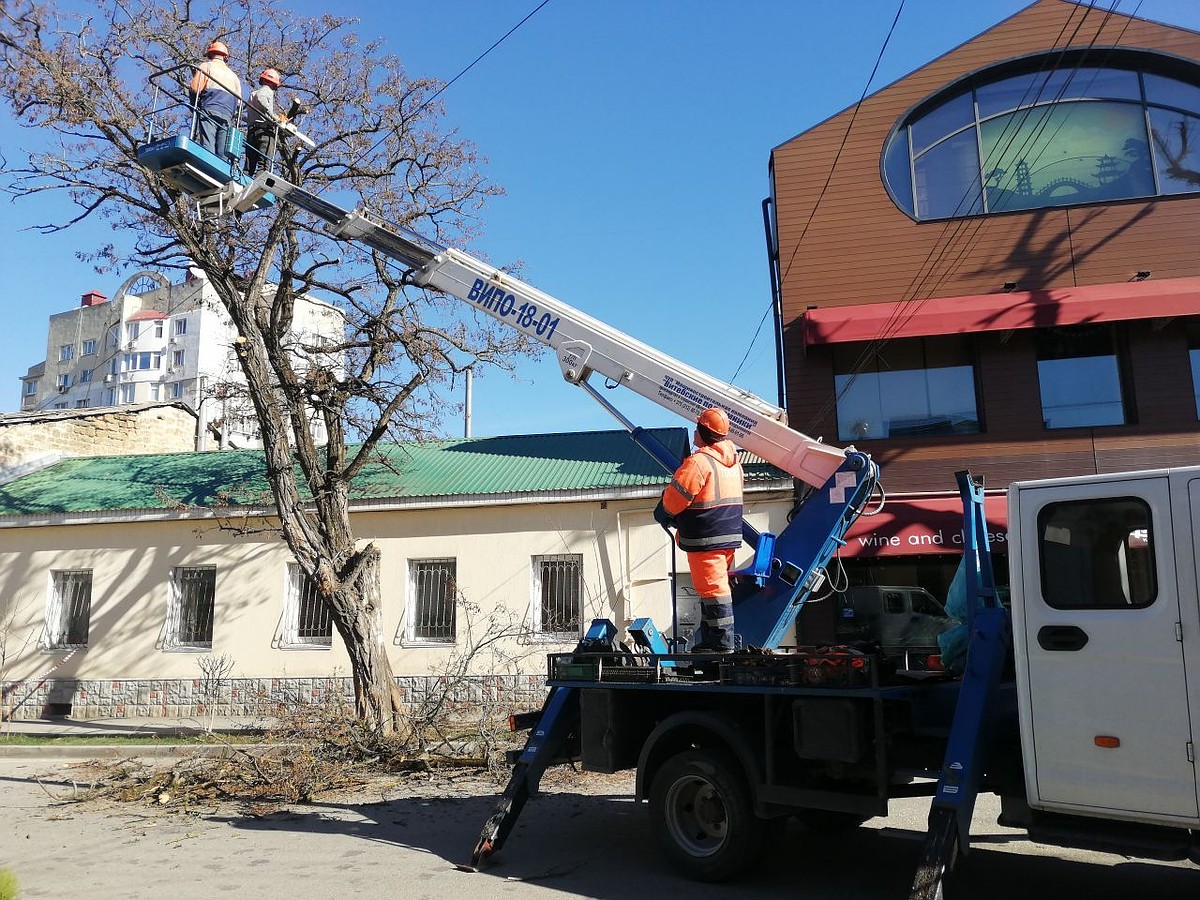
714 421
271 77
217 48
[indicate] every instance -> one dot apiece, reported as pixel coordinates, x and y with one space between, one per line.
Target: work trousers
260 147
212 132
710 577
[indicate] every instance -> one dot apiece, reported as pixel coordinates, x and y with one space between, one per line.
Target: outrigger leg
560 716
990 630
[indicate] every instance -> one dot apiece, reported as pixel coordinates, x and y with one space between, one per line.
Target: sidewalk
95 730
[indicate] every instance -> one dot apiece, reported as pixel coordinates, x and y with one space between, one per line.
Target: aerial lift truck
1049 710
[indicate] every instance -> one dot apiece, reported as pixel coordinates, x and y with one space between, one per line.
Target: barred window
307 619
558 595
432 593
69 609
190 607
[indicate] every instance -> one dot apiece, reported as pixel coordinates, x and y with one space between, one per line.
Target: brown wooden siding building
995 284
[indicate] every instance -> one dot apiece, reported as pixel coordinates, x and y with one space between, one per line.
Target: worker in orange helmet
263 119
704 503
215 92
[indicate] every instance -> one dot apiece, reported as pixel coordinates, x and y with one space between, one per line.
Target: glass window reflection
909 388
1062 135
1079 375
946 179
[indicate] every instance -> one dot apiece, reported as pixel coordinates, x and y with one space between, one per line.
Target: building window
89 347
62 382
131 331
66 352
82 404
190 606
177 358
85 376
69 609
1058 133
1080 376
177 390
110 397
906 388
128 393
1193 337
158 328
30 388
1097 554
307 620
179 326
432 600
156 391
142 361
114 336
558 595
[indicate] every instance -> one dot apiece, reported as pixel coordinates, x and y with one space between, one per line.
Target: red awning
1001 312
928 524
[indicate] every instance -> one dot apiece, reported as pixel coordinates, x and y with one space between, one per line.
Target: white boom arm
582 344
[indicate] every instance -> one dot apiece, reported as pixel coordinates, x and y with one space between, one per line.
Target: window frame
414 600
1141 63
935 348
300 590
1094 507
1119 342
537 599
56 613
172 636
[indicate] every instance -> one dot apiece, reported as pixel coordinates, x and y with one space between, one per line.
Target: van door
1104 669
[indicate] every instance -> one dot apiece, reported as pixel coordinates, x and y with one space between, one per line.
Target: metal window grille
193 599
310 621
434 592
559 593
70 608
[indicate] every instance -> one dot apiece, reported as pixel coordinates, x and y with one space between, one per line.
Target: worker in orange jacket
704 503
216 93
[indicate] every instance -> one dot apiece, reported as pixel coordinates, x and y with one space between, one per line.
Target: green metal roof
523 464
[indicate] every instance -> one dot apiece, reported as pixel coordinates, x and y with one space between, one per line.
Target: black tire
703 816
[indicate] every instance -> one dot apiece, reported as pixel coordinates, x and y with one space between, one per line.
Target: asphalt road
583 837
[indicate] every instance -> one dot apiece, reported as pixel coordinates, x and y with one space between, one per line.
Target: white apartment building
160 342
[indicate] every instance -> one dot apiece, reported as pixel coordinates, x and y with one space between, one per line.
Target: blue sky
632 138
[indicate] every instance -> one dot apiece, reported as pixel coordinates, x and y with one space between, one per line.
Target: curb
123 751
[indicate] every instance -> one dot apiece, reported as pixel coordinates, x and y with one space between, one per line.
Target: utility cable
1030 139
828 178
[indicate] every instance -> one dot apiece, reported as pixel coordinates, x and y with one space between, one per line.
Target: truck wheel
701 810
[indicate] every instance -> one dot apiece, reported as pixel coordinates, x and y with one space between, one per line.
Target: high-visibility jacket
216 87
705 498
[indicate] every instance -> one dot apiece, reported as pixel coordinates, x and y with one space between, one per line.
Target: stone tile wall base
189 697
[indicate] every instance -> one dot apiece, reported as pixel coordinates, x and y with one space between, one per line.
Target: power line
911 304
828 178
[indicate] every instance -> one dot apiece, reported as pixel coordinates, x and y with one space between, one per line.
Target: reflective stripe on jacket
705 497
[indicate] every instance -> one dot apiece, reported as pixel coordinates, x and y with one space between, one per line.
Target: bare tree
80 81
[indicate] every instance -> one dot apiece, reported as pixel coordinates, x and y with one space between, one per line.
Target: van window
1097 554
925 604
893 602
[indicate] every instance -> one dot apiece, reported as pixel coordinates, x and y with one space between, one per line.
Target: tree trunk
356 613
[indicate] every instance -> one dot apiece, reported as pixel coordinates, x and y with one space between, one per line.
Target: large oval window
1051 130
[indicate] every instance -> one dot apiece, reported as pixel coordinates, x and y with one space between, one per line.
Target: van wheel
702 813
